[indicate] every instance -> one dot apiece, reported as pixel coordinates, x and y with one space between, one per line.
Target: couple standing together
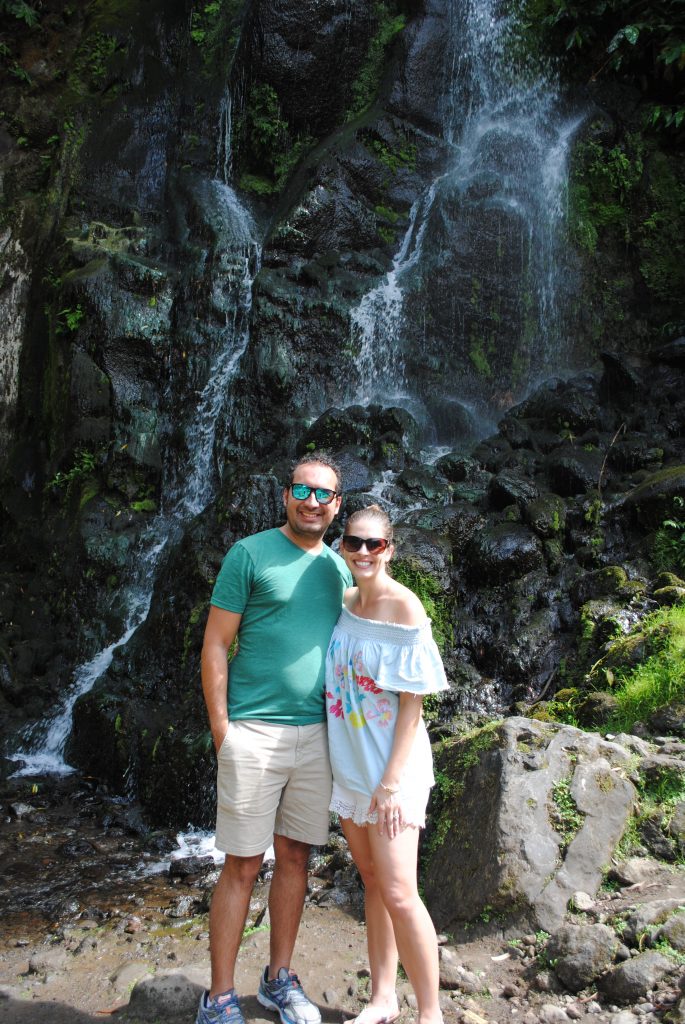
282 593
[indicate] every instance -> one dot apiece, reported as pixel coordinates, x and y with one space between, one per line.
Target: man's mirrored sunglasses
324 495
374 545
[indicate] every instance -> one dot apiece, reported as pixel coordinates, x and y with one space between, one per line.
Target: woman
381 660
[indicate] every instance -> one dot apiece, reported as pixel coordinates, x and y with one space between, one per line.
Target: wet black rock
652 500
673 354
572 471
503 552
182 867
510 488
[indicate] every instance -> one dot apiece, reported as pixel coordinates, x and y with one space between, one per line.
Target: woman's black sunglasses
374 545
324 495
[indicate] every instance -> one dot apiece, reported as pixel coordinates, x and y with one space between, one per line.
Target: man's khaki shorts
272 780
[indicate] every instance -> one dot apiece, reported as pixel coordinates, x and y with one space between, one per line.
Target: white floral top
368 665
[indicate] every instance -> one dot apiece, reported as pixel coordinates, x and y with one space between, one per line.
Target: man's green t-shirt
290 601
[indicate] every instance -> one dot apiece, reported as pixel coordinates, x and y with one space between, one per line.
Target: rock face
525 815
234 234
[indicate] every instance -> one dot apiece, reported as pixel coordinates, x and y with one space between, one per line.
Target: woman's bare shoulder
407 609
350 597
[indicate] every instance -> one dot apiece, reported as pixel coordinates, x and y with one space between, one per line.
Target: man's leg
286 899
227 916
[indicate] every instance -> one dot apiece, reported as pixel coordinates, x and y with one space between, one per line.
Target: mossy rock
546 515
652 500
668 596
609 581
595 709
335 429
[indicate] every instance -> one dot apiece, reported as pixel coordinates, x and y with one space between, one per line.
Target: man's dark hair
319 459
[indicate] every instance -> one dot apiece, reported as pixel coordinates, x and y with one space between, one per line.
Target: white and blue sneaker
223 1008
286 995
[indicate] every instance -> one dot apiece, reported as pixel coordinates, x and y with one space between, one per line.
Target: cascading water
186 492
474 306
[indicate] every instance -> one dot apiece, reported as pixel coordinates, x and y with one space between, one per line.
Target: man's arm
220 632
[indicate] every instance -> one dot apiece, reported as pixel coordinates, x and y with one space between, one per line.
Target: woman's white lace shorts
348 804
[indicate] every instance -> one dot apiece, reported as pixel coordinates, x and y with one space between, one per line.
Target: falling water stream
480 259
186 492
497 202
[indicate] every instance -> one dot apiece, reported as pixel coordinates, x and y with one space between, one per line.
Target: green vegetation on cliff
642 42
365 85
267 149
640 673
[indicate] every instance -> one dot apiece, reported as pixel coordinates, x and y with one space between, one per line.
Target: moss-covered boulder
652 500
523 815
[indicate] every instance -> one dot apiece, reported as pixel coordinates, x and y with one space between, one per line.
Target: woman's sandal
374 1015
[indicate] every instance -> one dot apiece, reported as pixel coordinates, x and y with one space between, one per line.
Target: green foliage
567 819
660 678
661 243
214 29
89 68
602 185
669 543
393 158
659 793
84 464
267 150
664 947
69 319
365 85
479 358
18 72
643 42
21 11
145 505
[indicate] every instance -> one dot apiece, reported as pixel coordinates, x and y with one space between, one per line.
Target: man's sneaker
285 995
222 1009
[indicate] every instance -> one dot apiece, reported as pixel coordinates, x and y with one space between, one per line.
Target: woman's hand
388 807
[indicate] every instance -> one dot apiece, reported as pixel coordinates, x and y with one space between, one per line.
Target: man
280 593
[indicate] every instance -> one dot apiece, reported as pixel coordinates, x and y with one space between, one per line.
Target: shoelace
229 1003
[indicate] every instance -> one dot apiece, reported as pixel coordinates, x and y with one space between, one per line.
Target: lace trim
360 815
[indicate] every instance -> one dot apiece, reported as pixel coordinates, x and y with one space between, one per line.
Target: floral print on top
368 665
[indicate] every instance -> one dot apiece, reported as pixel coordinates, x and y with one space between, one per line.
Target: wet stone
185 866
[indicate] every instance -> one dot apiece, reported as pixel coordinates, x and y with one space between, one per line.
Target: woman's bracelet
389 789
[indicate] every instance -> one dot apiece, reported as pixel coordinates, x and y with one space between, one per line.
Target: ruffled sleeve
401 659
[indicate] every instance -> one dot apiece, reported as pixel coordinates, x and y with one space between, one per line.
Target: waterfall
188 490
474 304
224 139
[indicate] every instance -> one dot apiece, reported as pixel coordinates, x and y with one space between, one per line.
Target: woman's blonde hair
374 512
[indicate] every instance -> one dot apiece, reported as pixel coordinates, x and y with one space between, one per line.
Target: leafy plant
267 145
366 84
644 42
84 464
68 319
660 678
21 11
669 542
567 819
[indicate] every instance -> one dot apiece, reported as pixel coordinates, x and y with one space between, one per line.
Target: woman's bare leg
379 930
395 863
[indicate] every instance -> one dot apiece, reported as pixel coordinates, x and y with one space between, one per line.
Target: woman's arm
385 799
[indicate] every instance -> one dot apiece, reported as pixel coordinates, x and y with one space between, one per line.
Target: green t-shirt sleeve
234 582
